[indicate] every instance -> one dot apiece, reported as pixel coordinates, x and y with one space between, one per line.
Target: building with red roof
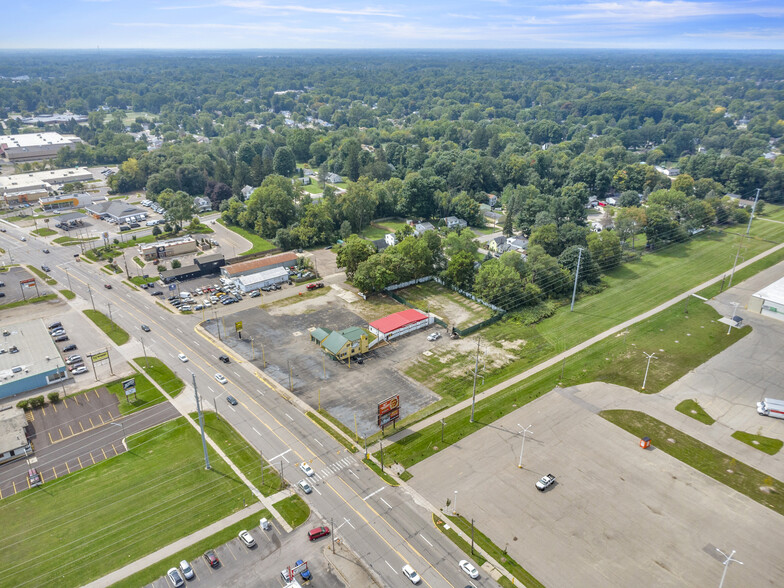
399 323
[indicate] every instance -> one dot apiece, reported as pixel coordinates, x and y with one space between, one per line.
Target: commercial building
33 146
34 186
29 359
202 266
65 201
270 277
769 301
341 345
169 248
53 119
399 324
115 210
253 266
13 434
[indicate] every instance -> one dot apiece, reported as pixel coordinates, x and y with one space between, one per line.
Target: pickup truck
315 286
545 482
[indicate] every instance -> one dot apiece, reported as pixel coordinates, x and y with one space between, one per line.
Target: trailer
771 407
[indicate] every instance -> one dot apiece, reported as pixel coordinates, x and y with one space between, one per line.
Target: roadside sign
390 417
29 283
129 384
100 356
238 326
172 286
389 411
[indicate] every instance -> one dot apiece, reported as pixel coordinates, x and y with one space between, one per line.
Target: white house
390 239
202 204
334 178
452 222
247 191
516 244
421 228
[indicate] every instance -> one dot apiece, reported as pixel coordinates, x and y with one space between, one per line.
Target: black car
231 400
156 293
69 347
45 268
61 338
46 251
145 328
224 358
124 228
134 225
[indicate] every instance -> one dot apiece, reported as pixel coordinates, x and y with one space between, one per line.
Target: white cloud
260 6
660 10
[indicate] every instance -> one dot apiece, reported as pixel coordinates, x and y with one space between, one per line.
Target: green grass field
615 360
44 232
451 306
81 526
374 232
769 445
245 457
692 409
721 467
43 298
139 280
146 394
68 294
293 509
258 244
112 329
65 241
313 188
162 374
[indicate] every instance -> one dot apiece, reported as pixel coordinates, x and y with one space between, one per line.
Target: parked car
57 332
175 578
79 370
315 286
186 570
156 293
61 339
221 378
306 469
545 482
317 533
69 347
71 359
247 539
33 477
211 559
255 294
305 573
433 336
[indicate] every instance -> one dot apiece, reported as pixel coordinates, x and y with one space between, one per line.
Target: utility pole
252 350
753 208
144 350
381 444
472 536
291 384
201 424
650 357
476 368
90 290
442 430
576 275
109 306
522 447
332 524
261 458
737 254
67 275
726 563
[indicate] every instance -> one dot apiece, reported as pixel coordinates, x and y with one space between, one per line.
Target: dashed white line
373 493
180 330
385 502
254 428
319 442
356 476
232 408
317 490
210 389
426 541
289 417
390 567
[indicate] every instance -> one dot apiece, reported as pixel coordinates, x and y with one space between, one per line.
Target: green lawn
293 509
43 275
143 499
139 280
313 188
390 225
44 232
616 360
160 372
721 467
629 290
451 306
146 394
65 240
43 298
68 294
138 261
112 329
694 410
767 444
773 211
258 244
381 474
245 457
319 418
374 232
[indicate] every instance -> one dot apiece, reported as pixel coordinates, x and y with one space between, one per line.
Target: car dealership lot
620 515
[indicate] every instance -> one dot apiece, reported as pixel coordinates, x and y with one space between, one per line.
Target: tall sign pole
201 424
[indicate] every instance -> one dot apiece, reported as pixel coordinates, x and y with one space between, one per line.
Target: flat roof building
29 359
33 186
262 263
169 248
262 279
13 434
769 301
32 146
115 210
399 324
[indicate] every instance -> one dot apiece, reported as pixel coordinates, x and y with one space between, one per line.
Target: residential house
380 244
496 243
517 244
390 239
333 178
611 201
247 191
492 200
305 180
421 228
452 222
202 204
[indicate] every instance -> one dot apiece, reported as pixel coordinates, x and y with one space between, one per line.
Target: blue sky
355 24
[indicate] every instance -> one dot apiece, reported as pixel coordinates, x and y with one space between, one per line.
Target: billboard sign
389 411
129 387
101 356
29 283
388 418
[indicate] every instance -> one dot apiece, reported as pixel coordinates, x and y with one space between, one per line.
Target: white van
185 295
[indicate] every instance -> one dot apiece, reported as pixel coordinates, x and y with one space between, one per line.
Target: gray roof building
29 359
114 209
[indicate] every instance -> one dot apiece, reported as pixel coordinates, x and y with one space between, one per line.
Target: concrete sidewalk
561 356
175 547
348 566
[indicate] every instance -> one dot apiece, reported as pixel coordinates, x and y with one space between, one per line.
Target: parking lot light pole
650 357
522 446
144 350
120 424
454 504
727 560
201 424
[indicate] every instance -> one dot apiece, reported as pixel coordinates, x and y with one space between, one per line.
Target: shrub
53 397
23 404
37 401
161 268
176 264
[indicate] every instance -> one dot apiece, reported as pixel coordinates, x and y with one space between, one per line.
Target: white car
433 336
411 574
221 378
79 370
182 357
469 569
306 469
175 578
185 307
306 488
247 539
186 570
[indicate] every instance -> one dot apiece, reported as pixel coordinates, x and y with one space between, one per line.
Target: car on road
69 347
211 559
80 370
23 238
247 539
107 286
61 338
231 400
306 488
186 570
434 336
182 357
175 578
317 533
45 268
315 286
305 573
46 251
411 574
145 328
224 358
469 569
221 378
306 469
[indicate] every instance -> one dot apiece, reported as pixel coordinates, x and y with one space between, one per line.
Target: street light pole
201 424
454 504
727 560
732 318
476 368
650 357
522 446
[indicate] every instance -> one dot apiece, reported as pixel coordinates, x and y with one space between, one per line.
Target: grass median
43 275
692 409
723 468
144 499
768 445
68 294
112 329
162 374
686 344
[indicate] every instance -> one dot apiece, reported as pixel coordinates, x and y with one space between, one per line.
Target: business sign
129 387
100 356
29 283
389 411
172 286
238 326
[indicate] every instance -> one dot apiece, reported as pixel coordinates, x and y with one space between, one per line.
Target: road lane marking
232 408
289 416
283 455
390 567
385 502
373 493
348 522
319 442
257 432
425 540
353 474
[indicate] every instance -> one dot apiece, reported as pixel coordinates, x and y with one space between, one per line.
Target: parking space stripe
102 421
1 494
109 412
65 403
98 396
54 406
79 459
115 449
67 467
70 427
86 397
14 484
92 424
104 453
54 472
82 426
43 411
61 434
50 437
92 458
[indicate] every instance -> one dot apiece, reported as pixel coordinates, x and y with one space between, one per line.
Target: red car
317 533
211 559
107 286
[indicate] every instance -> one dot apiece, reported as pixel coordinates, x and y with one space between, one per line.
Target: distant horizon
250 25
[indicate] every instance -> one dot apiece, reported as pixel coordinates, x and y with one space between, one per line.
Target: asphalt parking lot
345 391
618 514
261 566
13 289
